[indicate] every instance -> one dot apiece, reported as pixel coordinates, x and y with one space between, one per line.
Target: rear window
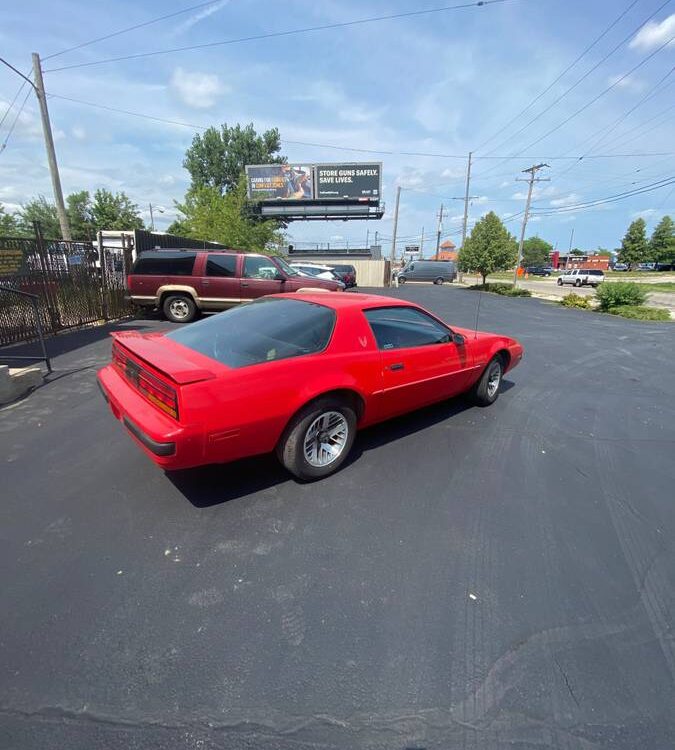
595 273
343 269
264 331
164 264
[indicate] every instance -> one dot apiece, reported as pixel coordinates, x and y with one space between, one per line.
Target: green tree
603 252
209 215
43 212
114 211
536 252
8 223
490 247
634 246
576 251
662 242
217 158
78 208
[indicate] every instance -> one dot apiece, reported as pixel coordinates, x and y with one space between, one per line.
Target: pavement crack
567 681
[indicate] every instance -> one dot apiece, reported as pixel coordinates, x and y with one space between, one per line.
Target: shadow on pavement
207 486
69 341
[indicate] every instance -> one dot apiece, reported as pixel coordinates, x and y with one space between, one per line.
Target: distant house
447 251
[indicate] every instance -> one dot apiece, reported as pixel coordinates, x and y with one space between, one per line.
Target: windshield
264 331
285 267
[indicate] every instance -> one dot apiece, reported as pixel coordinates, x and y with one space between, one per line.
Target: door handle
245 283
397 366
206 282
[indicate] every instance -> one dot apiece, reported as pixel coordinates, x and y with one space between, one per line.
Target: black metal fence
74 284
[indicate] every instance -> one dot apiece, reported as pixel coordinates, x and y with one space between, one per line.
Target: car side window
221 265
405 327
259 268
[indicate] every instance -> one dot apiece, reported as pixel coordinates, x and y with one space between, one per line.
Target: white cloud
334 99
630 83
653 34
200 16
167 179
79 133
198 90
568 200
506 183
644 214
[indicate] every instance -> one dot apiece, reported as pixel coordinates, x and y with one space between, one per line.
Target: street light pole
152 219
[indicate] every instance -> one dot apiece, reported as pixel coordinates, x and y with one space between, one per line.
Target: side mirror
279 276
458 339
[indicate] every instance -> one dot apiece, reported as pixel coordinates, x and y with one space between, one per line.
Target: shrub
619 294
637 312
575 300
506 290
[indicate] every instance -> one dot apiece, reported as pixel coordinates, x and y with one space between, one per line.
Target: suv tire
300 447
179 308
560 281
577 282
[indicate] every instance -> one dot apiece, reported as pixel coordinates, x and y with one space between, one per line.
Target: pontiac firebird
297 374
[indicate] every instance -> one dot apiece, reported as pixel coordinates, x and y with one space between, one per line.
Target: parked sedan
293 373
317 271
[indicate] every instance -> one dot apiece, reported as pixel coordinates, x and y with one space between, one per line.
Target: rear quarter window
164 264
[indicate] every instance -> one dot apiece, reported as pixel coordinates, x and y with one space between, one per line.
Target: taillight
156 391
118 359
162 395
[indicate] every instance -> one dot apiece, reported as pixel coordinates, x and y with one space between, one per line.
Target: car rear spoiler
154 351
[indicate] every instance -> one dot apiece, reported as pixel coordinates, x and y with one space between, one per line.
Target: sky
419 92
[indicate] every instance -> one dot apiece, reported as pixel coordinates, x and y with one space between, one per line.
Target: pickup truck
582 277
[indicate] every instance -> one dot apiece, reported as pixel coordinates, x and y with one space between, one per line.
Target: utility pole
466 208
49 145
532 171
367 236
569 252
422 244
439 230
393 239
152 219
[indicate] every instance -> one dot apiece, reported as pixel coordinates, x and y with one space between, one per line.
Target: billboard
350 181
287 182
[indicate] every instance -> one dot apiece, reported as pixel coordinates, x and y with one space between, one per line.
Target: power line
11 104
130 28
16 119
289 32
601 94
604 132
610 199
580 80
195 126
560 76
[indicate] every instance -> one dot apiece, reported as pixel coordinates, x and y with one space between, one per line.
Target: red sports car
294 373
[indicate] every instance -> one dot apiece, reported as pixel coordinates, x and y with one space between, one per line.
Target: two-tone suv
181 283
582 277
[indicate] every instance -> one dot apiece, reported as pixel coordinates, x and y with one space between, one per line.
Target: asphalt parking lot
473 578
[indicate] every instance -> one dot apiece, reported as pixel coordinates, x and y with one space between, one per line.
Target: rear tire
486 390
179 308
318 439
439 280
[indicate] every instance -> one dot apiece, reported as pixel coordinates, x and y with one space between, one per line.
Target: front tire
401 279
486 390
577 283
318 439
439 280
179 308
560 282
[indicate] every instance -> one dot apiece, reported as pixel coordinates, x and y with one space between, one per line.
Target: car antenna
475 328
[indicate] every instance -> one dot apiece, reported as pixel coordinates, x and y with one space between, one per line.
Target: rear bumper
168 444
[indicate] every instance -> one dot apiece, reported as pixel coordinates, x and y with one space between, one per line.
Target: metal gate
75 283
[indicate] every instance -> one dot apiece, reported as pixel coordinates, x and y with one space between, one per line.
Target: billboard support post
393 238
